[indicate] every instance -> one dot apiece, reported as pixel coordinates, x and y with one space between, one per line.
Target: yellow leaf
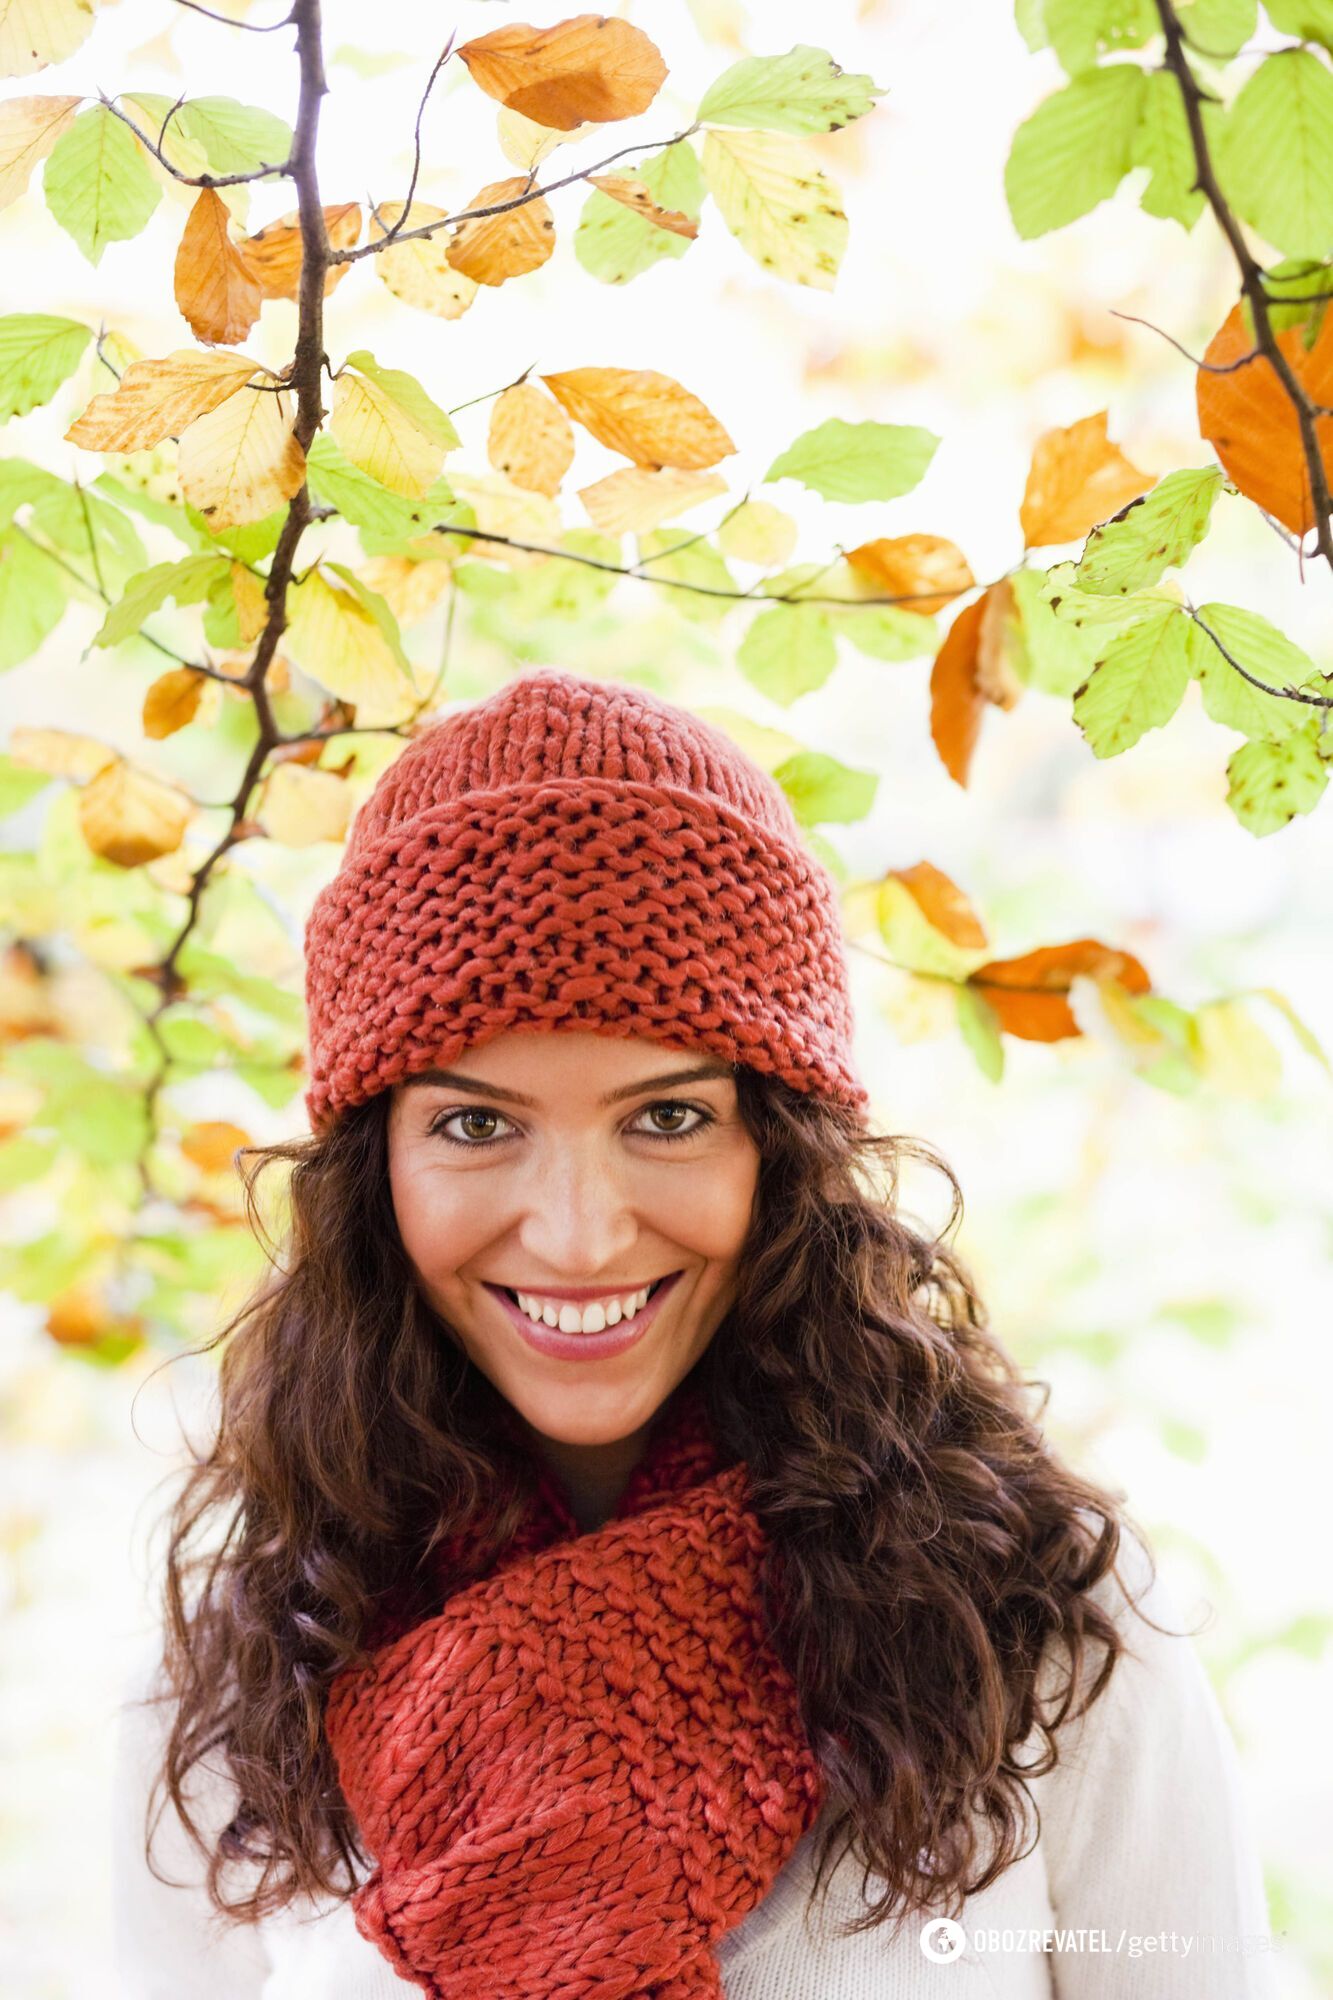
274 253
211 1144
419 272
1076 480
997 635
34 33
173 701
526 144
333 639
130 817
778 203
504 509
411 589
1233 1052
758 532
157 399
29 128
60 752
589 66
646 416
241 460
492 248
636 498
377 434
531 439
302 805
216 290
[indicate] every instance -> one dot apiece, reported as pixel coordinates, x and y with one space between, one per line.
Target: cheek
707 1210
443 1218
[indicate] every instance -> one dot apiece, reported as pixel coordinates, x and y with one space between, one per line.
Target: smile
573 1332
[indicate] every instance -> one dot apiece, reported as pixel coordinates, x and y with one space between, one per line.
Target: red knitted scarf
589 1765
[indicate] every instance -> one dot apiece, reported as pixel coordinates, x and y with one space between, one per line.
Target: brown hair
927 1547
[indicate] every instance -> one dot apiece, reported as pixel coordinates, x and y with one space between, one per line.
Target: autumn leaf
158 399
593 66
956 702
241 461
216 290
943 905
130 817
638 497
1077 479
1030 995
302 805
492 248
646 416
173 700
1249 420
530 438
418 271
926 571
29 128
778 203
633 194
994 672
274 253
34 33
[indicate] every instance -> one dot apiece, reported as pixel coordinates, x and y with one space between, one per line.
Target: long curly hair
927 1548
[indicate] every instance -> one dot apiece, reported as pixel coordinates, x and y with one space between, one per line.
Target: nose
577 1218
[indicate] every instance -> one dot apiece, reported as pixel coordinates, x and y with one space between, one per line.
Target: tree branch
192 180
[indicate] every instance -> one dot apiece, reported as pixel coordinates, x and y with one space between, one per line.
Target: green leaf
1163 145
979 1025
164 513
822 790
99 186
1218 28
788 650
803 91
98 539
1081 30
885 632
1060 643
778 203
22 482
1263 651
37 353
1305 1035
33 597
1306 282
1030 20
18 784
863 461
614 244
391 518
411 398
1276 159
1074 150
674 554
568 589
1312 20
1159 529
248 541
1269 783
234 138
1137 685
372 602
187 581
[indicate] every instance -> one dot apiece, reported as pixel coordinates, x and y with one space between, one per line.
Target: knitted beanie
574 854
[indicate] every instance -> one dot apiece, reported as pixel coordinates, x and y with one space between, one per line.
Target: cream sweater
1145 1883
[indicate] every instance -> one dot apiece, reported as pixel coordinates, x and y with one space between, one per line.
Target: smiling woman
617 1505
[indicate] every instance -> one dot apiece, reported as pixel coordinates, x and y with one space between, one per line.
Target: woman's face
551 1163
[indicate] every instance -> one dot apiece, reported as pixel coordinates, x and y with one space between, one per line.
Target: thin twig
192 180
252 27
1283 693
390 234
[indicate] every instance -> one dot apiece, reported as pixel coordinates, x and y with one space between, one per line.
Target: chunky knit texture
578 854
589 1766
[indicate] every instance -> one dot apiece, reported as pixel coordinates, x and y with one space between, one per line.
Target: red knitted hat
576 854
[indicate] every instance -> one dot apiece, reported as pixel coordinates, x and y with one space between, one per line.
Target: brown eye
673 1106
469 1117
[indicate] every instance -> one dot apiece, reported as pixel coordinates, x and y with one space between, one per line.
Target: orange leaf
633 193
956 702
274 253
1248 419
647 416
995 675
491 248
1030 994
216 290
172 701
1077 479
592 66
908 565
211 1143
943 904
531 439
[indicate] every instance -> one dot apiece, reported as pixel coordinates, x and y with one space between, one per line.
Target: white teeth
592 1318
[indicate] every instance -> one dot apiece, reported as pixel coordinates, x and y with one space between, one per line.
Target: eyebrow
454 1081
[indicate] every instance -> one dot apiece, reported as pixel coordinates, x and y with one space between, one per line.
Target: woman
616 1506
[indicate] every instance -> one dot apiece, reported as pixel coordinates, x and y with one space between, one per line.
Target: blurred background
1161 1260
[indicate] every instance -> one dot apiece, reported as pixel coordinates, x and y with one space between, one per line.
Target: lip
550 1341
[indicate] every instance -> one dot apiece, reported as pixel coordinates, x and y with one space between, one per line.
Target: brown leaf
130 817
1248 418
943 904
956 702
1077 479
531 439
592 66
210 1144
633 193
645 415
274 253
216 290
995 676
172 701
908 565
1030 994
491 248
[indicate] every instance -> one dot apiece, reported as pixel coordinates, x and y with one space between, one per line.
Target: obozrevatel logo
942 1939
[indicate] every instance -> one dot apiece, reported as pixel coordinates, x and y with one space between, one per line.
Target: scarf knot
589 1765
